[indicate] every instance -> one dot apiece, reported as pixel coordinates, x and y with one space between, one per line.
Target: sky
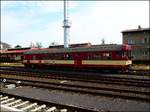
26 22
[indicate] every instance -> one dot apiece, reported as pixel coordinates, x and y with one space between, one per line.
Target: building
4 46
139 39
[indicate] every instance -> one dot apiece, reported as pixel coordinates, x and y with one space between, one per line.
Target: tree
17 46
32 45
103 41
38 45
53 43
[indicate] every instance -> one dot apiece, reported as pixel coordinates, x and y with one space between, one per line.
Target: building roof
72 45
136 30
16 51
13 51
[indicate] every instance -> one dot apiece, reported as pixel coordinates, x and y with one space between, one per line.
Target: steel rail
127 94
135 73
104 79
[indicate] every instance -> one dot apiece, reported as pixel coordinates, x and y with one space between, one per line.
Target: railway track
14 103
125 92
120 87
134 73
128 81
67 73
117 93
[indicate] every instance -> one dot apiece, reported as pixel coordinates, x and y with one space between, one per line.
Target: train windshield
126 51
126 54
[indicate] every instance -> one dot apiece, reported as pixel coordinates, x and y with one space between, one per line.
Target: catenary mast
66 25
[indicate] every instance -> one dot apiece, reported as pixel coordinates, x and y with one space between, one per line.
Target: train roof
110 47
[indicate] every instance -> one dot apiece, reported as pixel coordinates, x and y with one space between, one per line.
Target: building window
145 53
130 42
145 40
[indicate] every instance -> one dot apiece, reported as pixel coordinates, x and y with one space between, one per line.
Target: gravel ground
82 100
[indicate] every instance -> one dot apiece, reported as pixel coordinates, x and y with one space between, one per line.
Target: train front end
126 54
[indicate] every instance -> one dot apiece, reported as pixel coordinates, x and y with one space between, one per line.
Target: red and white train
110 56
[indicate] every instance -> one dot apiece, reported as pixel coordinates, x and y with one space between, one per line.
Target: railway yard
98 78
26 89
74 77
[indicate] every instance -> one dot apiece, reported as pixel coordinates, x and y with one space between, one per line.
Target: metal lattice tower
66 25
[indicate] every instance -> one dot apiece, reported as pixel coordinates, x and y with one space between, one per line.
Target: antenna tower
66 25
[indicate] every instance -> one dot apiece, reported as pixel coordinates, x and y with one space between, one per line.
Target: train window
34 57
129 54
105 54
96 56
56 56
50 56
63 56
68 56
59 56
89 56
39 56
42 56
46 56
126 54
119 53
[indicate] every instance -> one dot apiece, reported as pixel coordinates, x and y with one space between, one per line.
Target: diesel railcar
96 56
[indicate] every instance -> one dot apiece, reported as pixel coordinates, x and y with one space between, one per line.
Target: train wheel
26 66
32 66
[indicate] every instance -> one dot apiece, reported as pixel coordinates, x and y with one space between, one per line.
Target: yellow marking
107 62
24 61
58 61
42 61
34 61
84 62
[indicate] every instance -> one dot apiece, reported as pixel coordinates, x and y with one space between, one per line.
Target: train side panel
97 59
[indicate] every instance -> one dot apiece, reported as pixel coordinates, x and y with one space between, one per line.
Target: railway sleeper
21 104
18 105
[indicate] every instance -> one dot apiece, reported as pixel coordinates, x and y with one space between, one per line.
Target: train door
77 60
